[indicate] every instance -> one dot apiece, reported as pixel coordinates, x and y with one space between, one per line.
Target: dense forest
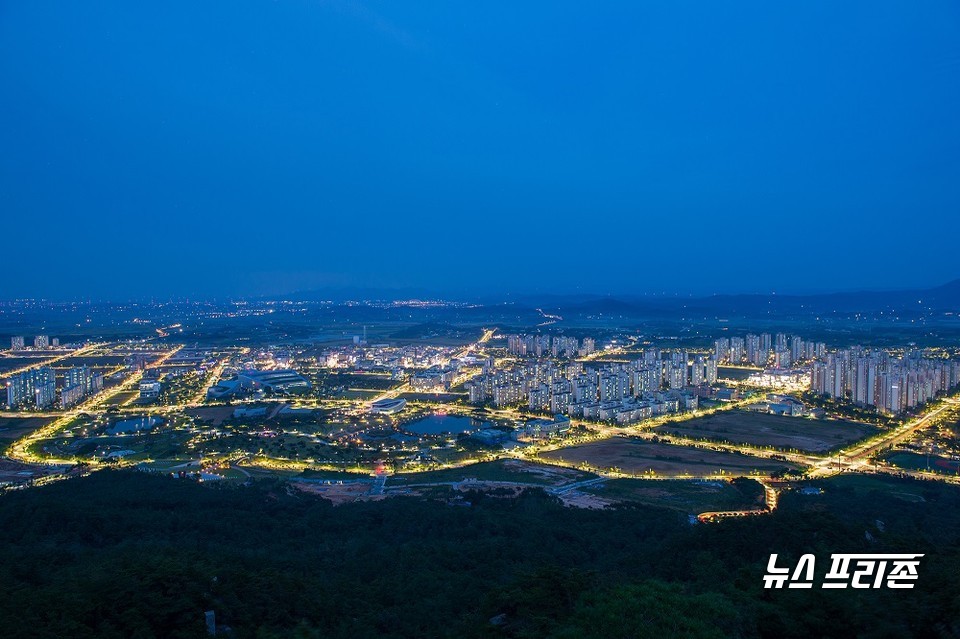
131 555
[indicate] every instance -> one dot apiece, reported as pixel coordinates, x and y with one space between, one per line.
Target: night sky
242 148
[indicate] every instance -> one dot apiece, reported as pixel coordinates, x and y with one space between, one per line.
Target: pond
133 425
437 424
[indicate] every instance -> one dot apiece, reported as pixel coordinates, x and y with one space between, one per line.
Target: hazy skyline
247 148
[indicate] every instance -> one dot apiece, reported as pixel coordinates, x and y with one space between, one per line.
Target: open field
214 414
102 361
337 493
359 381
636 456
917 461
13 428
14 363
776 431
863 491
122 398
356 393
691 497
501 471
13 472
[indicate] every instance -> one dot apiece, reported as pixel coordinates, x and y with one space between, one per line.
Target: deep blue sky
238 147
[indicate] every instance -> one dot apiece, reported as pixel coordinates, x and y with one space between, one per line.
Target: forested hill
129 555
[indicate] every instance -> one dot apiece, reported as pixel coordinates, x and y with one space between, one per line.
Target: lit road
212 380
607 352
406 388
858 456
548 318
84 350
20 449
129 383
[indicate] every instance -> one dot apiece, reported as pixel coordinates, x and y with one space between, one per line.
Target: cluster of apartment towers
872 378
37 387
655 383
660 381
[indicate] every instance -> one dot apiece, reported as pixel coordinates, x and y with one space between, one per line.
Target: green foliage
125 554
650 610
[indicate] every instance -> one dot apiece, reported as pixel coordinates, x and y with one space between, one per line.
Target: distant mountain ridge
945 297
941 298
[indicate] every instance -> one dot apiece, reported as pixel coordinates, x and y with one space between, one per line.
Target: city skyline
348 318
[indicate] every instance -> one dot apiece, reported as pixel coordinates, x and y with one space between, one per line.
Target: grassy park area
772 431
638 457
